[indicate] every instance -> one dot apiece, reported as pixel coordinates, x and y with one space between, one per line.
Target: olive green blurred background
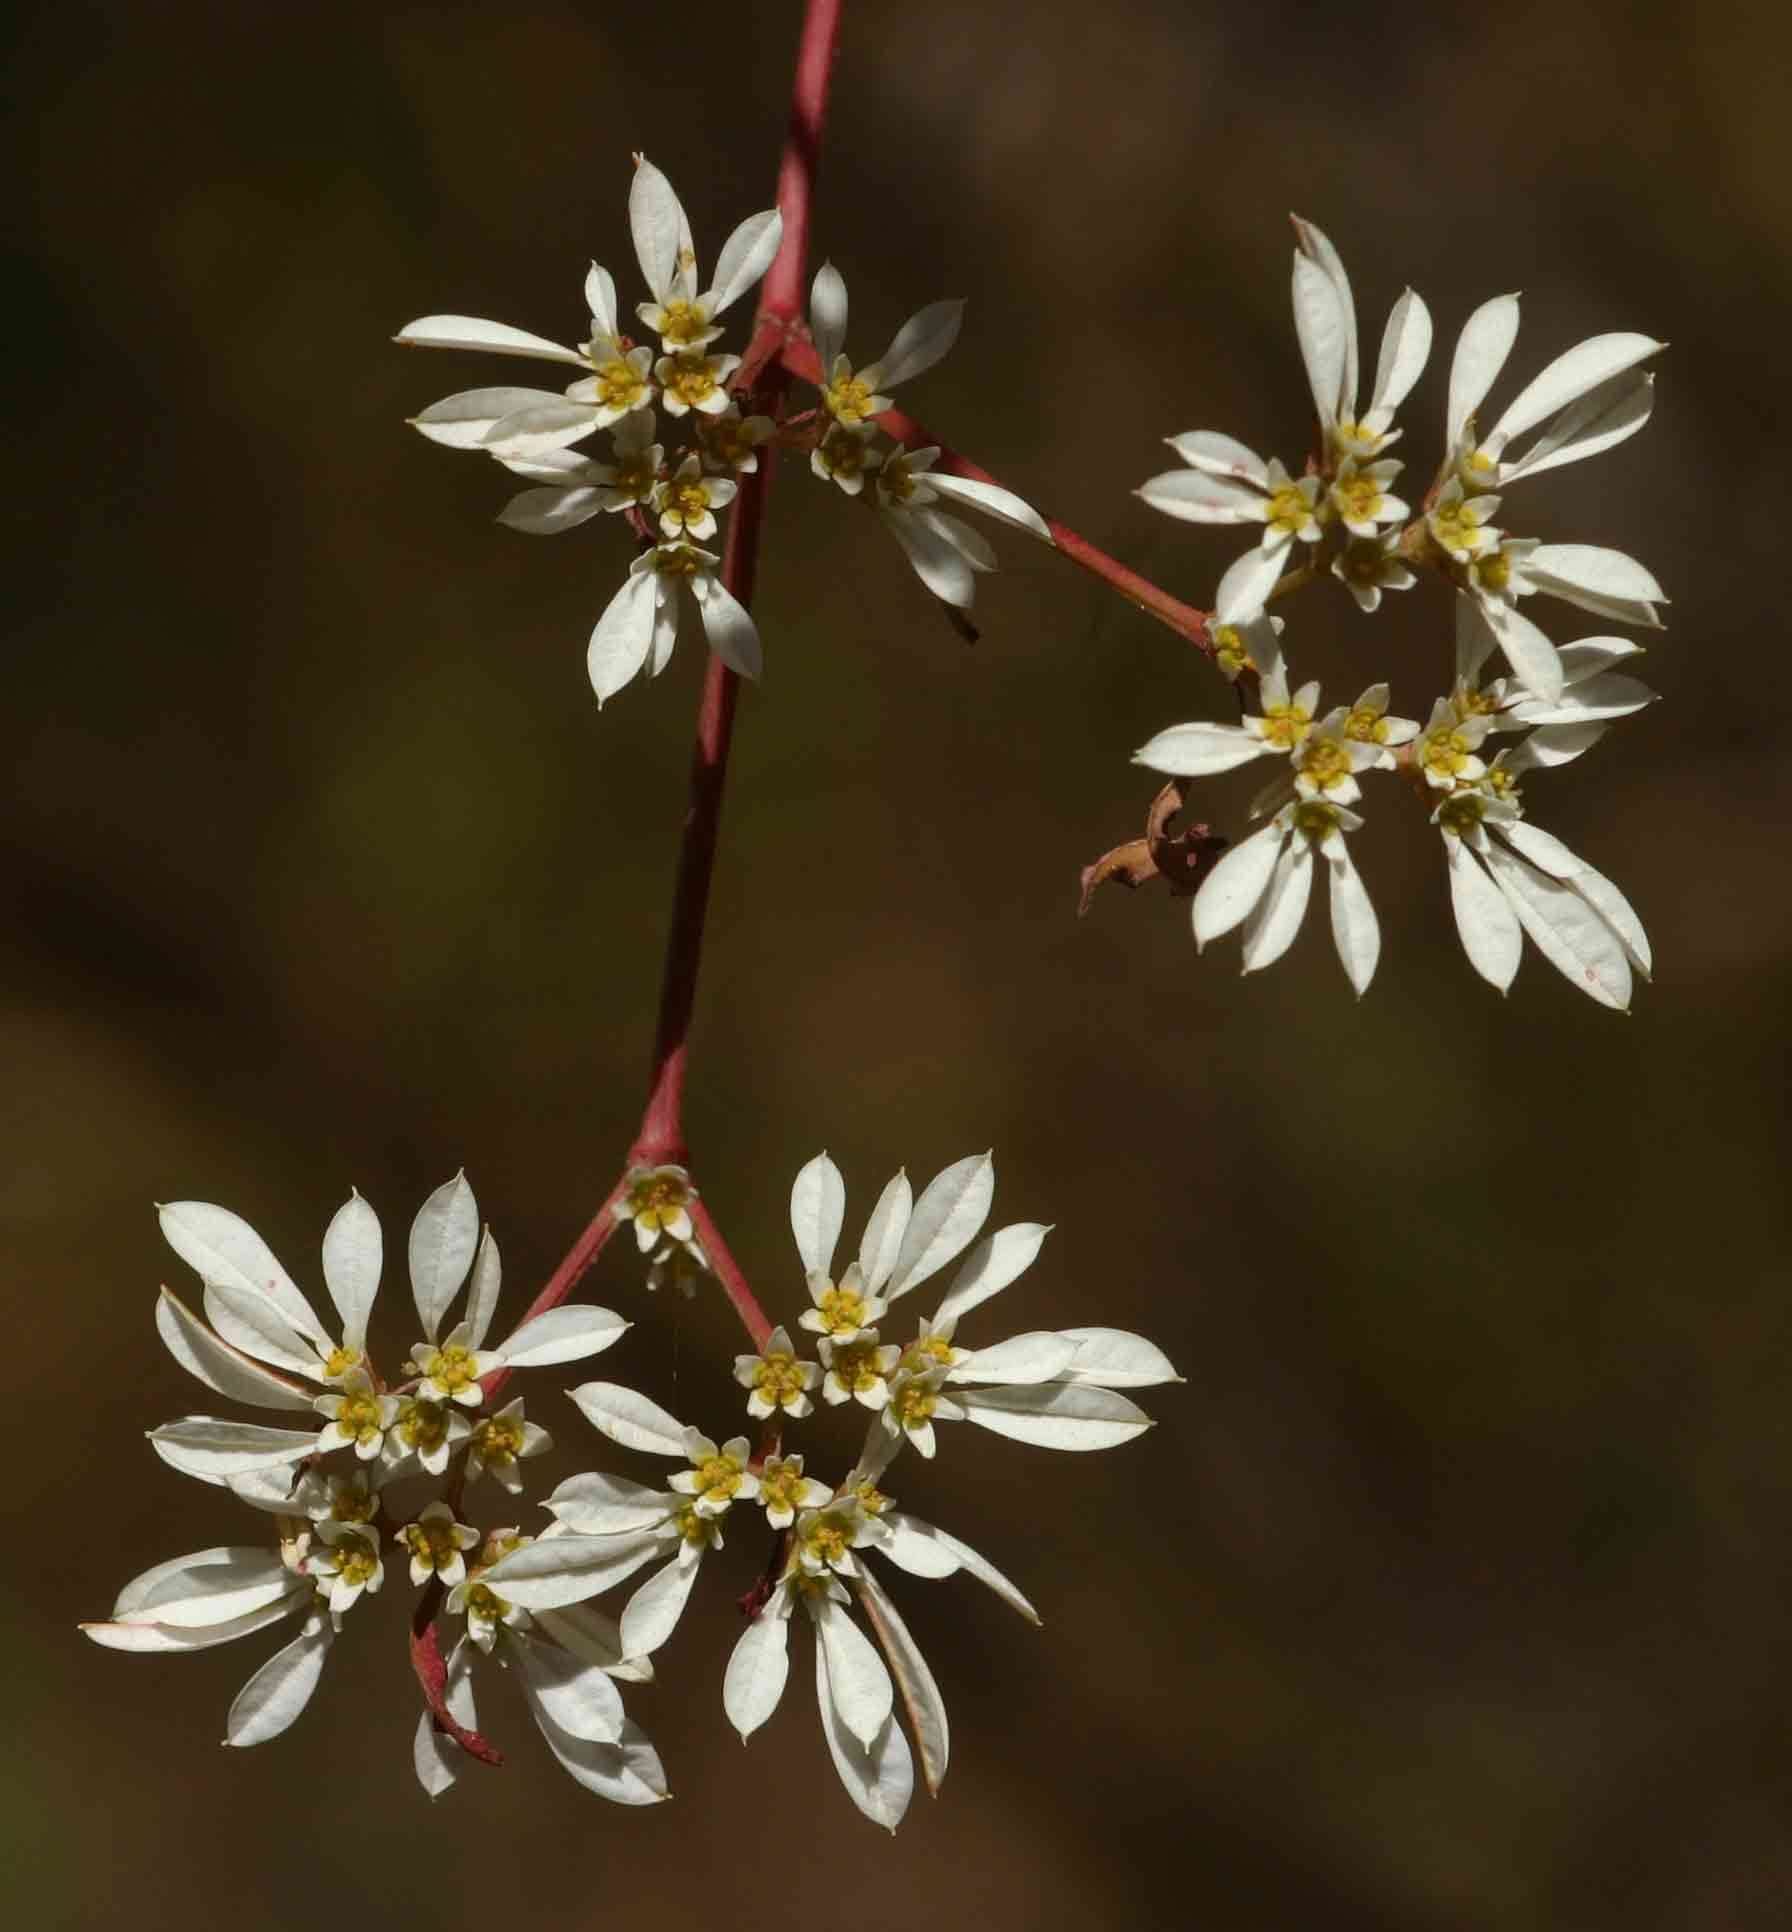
1451 1592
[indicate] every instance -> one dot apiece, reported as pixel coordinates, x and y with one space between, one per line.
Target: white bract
640 624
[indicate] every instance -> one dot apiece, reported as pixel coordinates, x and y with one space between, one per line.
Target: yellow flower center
692 1527
1366 725
356 1561
914 1404
827 1538
340 1360
484 1605
433 1541
1456 526
1358 498
636 478
360 1416
1326 763
1461 813
1229 650
871 1499
1289 510
452 1367
349 1504
779 1377
620 385
847 400
1315 819
1445 752
688 501
669 563
657 1198
1286 725
498 1439
845 456
422 1425
855 1367
842 1310
720 1477
781 1483
692 380
683 323
1494 572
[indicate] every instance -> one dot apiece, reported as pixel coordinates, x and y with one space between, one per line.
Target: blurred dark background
1451 1592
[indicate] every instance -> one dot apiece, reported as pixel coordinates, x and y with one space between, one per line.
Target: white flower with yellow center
486 1612
425 1434
1460 524
215 1596
689 499
694 382
784 1490
1264 883
845 457
683 319
1369 723
777 1379
1244 637
657 1201
1360 498
944 551
1368 566
349 1563
1605 582
1509 879
1591 691
1447 751
1329 758
1325 322
358 1416
859 1370
577 488
732 441
1203 750
1590 398
850 398
1226 482
438 1545
825 1538
717 1477
640 624
497 1443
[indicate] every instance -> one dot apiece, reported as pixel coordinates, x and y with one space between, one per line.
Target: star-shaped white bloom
944 551
1325 322
778 1381
853 399
1203 750
1369 723
1591 691
784 1490
732 441
1367 567
1360 498
1226 482
684 320
1264 882
358 1416
1590 398
349 1562
640 624
438 1545
499 1442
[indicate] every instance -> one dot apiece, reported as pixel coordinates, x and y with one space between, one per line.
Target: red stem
728 1273
1185 620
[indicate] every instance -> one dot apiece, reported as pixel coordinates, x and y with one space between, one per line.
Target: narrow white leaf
252 1323
623 636
916 1547
1405 347
1569 377
827 316
629 1418
1488 927
626 1773
557 1570
1356 932
564 1334
546 512
482 1296
1036 1357
443 1238
884 1232
1220 455
938 565
1481 352
661 233
1114 1358
575 1696
205 1447
1232 891
595 1504
1565 929
879 1780
986 1573
817 1209
952 1207
1060 1415
352 1261
924 339
915 1683
729 626
233 1583
1270 930
860 1686
993 501
745 257
758 1668
274 1697
1199 750
1324 330
655 1608
222 1248
463 420
1196 496
496 338
226 1370
991 1265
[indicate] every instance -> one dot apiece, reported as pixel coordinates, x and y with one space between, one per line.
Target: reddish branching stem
432 1674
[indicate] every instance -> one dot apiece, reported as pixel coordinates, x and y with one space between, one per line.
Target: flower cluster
329 1488
1059 1389
669 479
1507 878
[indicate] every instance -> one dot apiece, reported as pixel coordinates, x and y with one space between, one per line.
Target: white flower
1606 582
1244 638
1360 497
1368 722
717 1477
694 382
1593 397
577 488
784 1490
437 1544
1367 567
731 441
1264 882
640 624
1203 750
350 1560
486 1612
358 1416
945 552
857 1370
778 1380
1447 751
424 1433
678 315
853 399
845 457
213 1597
499 1442
1459 524
1325 322
689 499
1508 879
1229 483
1590 690
657 1200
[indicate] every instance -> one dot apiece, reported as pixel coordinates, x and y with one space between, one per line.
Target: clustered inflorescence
670 491
521 1598
1507 877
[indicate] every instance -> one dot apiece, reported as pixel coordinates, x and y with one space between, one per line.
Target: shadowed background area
1450 1592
